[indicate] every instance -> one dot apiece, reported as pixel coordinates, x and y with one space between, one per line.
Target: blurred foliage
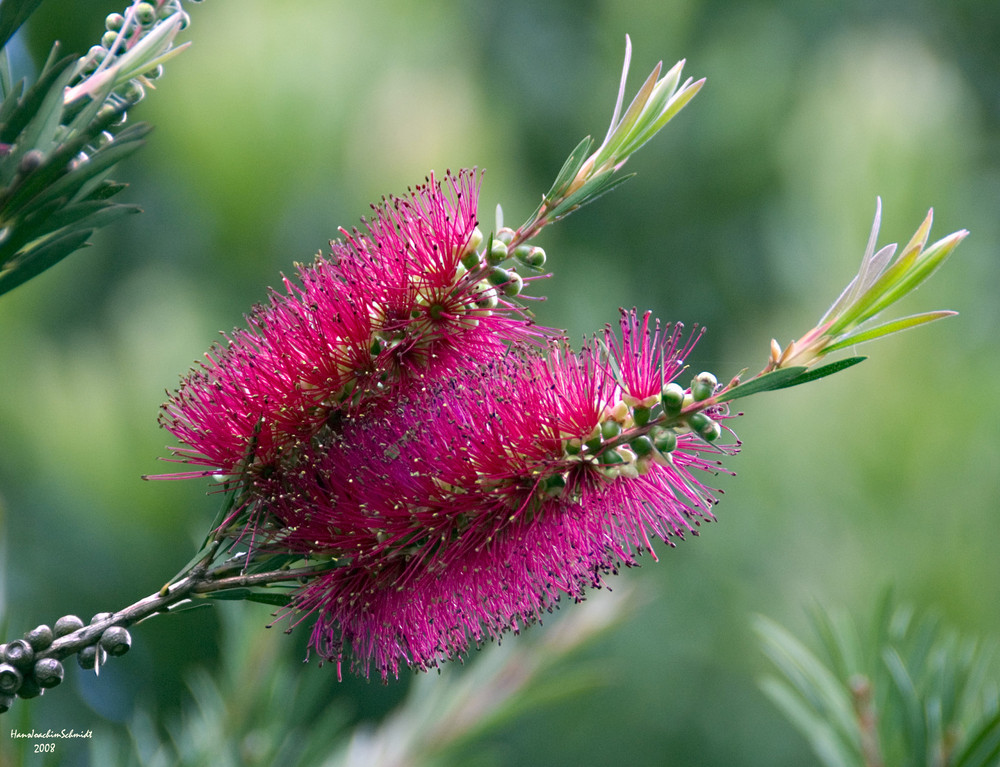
906 691
284 120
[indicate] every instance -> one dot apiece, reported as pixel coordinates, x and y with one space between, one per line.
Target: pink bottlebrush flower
470 506
390 306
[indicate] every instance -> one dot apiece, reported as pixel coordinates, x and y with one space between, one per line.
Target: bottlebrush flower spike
409 298
468 507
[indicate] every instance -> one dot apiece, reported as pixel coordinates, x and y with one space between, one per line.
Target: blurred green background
285 120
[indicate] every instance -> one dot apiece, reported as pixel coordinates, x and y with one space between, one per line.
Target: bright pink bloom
389 306
466 508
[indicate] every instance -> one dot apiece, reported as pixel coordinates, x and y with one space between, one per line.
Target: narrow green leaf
888 328
776 379
30 106
912 708
827 695
679 103
923 267
13 13
570 168
983 744
597 187
822 372
40 259
815 729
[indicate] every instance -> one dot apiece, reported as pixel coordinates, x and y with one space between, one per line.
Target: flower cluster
397 414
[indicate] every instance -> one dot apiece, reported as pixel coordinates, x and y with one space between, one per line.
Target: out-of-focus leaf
983 745
41 258
13 13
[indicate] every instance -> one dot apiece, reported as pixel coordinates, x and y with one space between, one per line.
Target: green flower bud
486 296
698 421
573 446
114 22
498 276
91 656
94 57
705 427
594 444
67 625
108 39
672 398
155 73
641 415
98 617
641 445
40 637
611 458
530 255
10 679
145 14
116 640
505 234
610 429
48 672
471 259
515 286
703 386
665 440
497 254
19 654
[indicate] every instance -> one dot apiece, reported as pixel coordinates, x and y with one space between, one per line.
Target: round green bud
67 625
6 701
698 421
593 444
40 637
98 617
665 440
145 14
703 386
497 254
29 688
155 73
108 39
610 429
10 679
116 640
498 276
48 672
505 234
530 255
486 296
641 415
573 446
113 22
704 426
94 57
19 654
672 398
515 286
611 458
641 445
471 259
91 656
521 252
